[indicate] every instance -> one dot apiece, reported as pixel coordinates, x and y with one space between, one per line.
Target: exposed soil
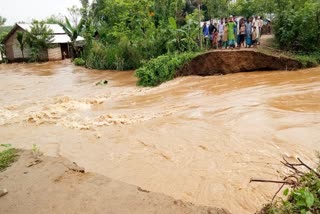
225 62
56 185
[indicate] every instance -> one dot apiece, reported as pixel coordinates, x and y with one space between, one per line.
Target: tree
297 25
54 19
2 20
38 38
22 41
74 15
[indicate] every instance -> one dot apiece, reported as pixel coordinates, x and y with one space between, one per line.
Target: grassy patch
7 157
307 60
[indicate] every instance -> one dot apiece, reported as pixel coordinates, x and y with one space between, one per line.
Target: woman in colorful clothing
231 37
248 26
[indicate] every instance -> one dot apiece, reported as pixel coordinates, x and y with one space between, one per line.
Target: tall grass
113 57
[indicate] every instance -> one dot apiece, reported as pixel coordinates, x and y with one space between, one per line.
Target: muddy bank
226 62
55 186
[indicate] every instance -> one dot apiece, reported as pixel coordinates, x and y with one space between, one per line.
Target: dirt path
55 186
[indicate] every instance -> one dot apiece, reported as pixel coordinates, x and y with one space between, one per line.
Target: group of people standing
232 32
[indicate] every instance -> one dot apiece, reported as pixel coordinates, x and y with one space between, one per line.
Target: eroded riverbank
199 139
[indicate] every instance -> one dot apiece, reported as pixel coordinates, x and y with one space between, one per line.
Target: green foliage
162 68
72 32
304 199
182 38
4 30
36 150
215 8
54 19
297 25
115 57
7 157
79 62
130 32
248 8
38 39
308 60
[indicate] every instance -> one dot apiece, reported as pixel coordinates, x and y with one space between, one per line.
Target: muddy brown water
199 139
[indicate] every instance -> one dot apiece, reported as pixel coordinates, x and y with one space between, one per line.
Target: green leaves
286 192
303 197
162 68
38 39
297 25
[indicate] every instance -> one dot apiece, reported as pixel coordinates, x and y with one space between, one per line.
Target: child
215 40
254 36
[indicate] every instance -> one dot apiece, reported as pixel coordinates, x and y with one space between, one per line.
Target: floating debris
102 82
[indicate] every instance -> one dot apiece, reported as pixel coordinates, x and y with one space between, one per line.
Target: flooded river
199 139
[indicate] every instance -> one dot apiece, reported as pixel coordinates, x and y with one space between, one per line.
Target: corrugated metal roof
57 29
59 35
64 38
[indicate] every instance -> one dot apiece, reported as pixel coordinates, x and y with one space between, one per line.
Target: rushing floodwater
199 139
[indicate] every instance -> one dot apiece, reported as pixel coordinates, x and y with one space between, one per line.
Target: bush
297 25
113 57
79 62
304 197
162 68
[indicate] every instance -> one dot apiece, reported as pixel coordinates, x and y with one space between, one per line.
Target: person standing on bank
256 24
260 24
212 31
248 33
231 36
221 32
205 30
242 33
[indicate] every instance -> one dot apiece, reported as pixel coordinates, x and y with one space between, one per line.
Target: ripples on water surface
199 139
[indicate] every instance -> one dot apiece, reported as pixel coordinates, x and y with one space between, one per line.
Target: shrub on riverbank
7 157
304 196
162 68
297 25
113 57
79 62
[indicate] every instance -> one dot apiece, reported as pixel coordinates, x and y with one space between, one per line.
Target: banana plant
72 32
